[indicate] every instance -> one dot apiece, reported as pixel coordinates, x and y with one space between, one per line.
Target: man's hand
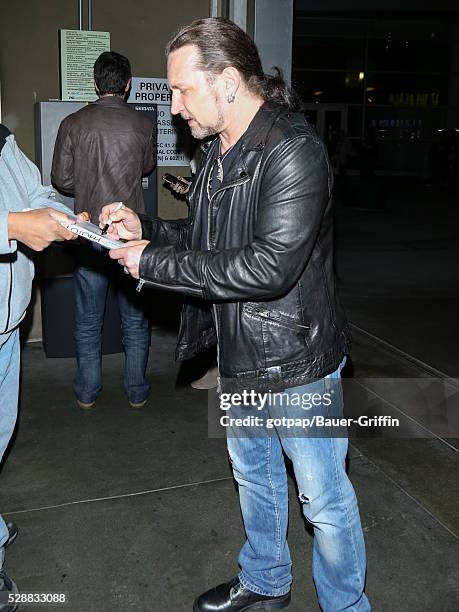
181 186
129 256
125 223
38 228
84 217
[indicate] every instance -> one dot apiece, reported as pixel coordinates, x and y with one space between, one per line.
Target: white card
92 232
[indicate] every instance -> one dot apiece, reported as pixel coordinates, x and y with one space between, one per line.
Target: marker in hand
109 222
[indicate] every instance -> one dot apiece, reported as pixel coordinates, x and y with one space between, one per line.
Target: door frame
321 109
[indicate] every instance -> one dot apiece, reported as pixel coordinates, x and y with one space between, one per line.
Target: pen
109 222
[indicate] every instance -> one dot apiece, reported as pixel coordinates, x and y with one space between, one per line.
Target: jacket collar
253 139
256 134
260 126
110 101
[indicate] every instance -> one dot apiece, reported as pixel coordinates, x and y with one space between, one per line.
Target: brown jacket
100 155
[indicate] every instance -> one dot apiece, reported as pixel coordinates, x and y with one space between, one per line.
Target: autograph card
92 232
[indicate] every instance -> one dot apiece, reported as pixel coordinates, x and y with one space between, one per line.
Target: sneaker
7 586
86 406
208 381
137 404
13 532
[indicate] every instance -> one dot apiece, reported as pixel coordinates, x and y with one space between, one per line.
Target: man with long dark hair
256 256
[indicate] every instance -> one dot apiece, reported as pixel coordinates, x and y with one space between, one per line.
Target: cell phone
174 181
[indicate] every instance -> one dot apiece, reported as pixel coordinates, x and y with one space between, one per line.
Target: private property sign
173 133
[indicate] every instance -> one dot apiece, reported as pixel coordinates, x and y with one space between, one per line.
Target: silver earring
230 98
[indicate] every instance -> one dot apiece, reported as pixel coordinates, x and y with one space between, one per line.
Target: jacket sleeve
294 192
6 245
28 176
164 233
62 171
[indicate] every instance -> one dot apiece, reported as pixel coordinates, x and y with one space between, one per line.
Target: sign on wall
173 133
79 51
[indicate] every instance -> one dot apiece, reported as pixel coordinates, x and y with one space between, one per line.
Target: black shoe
12 533
7 586
234 597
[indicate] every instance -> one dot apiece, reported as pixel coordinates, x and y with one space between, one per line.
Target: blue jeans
327 497
91 281
9 391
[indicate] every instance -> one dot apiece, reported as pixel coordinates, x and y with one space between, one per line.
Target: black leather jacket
268 271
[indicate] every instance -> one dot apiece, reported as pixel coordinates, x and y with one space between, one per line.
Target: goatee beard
200 132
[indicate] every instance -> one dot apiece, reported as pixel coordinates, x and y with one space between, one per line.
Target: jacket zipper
143 282
209 246
214 306
275 317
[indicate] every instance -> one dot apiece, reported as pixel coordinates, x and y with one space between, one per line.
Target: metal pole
89 14
214 8
80 14
364 99
238 13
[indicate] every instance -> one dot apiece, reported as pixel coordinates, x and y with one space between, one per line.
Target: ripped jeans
326 495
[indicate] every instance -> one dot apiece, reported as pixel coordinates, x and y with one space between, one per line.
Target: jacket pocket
274 317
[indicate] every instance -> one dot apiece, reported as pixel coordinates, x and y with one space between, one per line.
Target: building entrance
328 120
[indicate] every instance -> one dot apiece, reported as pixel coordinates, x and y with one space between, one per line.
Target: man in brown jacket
101 153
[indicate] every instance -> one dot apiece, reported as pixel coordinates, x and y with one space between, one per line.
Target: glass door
329 120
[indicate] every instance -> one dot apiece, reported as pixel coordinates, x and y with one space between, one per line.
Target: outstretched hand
39 227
